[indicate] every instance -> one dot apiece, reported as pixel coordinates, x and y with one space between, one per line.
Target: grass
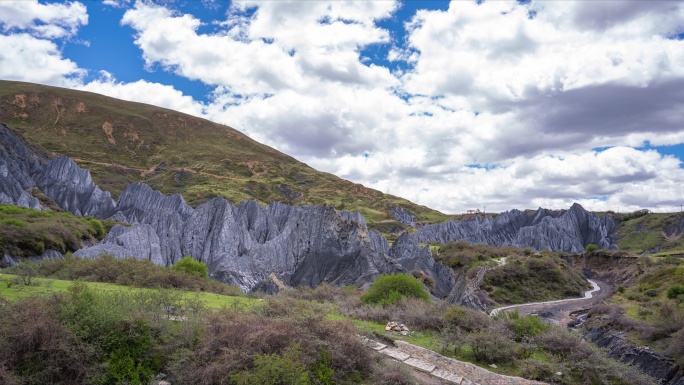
645 233
44 286
122 142
26 232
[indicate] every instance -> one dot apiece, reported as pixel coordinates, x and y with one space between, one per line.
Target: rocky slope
654 364
123 142
246 244
243 244
568 231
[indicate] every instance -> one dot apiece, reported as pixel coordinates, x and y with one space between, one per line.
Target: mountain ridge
123 142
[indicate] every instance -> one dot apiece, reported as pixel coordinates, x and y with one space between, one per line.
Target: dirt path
559 311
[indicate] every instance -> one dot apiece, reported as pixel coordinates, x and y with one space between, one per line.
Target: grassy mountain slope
121 142
641 232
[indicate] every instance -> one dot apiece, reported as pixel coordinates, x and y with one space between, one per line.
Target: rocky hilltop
568 230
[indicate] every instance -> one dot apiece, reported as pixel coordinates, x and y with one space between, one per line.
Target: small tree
26 271
591 248
389 289
190 266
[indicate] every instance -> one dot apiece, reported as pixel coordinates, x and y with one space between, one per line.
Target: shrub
273 369
525 325
620 289
491 346
591 248
192 267
675 291
465 319
389 289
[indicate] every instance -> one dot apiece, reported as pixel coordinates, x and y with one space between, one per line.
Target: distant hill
653 233
121 142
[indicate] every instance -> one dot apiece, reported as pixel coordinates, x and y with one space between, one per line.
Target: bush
591 248
525 326
192 267
675 291
273 369
389 289
490 346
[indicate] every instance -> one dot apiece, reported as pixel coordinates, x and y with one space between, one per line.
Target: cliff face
656 365
569 231
24 170
245 244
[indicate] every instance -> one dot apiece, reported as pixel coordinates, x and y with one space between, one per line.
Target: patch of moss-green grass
42 286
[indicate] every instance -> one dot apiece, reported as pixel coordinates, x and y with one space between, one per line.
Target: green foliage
322 372
191 266
591 248
13 222
620 289
389 289
646 231
274 369
535 278
127 271
675 291
524 326
26 232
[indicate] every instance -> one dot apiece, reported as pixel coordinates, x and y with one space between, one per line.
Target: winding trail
587 295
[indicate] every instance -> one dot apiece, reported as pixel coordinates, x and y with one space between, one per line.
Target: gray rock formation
254 246
403 216
413 257
656 365
245 244
18 166
72 188
568 231
23 170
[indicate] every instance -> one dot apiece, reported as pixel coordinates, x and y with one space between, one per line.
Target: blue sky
454 105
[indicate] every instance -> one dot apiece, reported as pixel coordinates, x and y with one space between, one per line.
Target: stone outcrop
403 216
18 166
414 257
654 364
72 188
568 231
23 170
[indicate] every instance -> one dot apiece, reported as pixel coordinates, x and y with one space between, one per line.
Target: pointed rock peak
353 216
577 209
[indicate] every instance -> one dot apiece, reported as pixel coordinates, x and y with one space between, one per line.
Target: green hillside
641 232
122 142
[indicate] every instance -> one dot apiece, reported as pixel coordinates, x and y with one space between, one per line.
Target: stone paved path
444 368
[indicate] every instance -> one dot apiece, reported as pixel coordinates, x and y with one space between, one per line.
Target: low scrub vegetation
186 275
463 255
390 289
533 278
518 344
89 337
26 232
652 310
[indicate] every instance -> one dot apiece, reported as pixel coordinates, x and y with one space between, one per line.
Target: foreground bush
89 337
389 289
190 266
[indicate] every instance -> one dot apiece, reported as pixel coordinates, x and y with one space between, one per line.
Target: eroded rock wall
568 231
